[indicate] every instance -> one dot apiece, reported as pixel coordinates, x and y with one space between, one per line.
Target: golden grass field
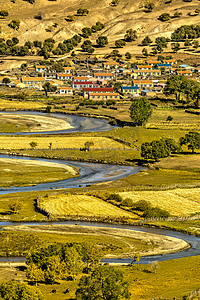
82 205
9 142
21 105
178 202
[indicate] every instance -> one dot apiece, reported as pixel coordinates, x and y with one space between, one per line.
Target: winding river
91 173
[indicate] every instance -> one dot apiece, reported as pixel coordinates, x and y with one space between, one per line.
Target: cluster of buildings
95 80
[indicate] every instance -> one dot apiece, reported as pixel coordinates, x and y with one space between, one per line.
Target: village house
41 69
166 66
103 96
110 65
143 67
169 61
103 76
64 76
35 82
184 72
83 84
82 78
153 62
130 90
143 84
146 73
68 70
65 91
95 90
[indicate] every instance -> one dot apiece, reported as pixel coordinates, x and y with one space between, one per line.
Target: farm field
63 206
178 202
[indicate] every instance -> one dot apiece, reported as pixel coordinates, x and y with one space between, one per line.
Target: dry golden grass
21 105
180 162
66 205
59 142
178 202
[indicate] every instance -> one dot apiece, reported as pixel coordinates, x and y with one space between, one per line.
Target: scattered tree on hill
195 44
114 2
34 274
175 47
70 18
128 55
192 140
164 17
140 111
48 88
169 119
14 24
102 41
149 6
186 32
104 283
18 290
146 41
145 52
98 26
177 14
120 43
4 13
131 35
6 80
86 32
82 11
87 46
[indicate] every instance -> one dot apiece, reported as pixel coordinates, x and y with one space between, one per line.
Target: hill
117 19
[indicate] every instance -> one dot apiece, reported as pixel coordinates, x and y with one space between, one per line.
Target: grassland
12 142
24 173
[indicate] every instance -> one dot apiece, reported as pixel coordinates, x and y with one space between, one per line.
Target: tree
4 13
136 258
154 266
164 17
82 11
104 283
175 47
131 35
195 44
73 261
33 144
48 88
102 41
120 43
114 2
14 24
140 111
6 80
128 55
192 140
117 86
146 41
169 119
34 273
19 291
87 46
86 32
149 6
92 255
145 52
15 206
87 145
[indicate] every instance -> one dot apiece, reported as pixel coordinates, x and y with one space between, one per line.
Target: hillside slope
127 14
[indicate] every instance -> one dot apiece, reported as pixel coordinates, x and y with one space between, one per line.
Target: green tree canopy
48 88
13 290
102 41
104 283
192 140
140 111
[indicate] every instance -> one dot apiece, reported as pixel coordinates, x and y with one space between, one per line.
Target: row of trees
164 147
180 85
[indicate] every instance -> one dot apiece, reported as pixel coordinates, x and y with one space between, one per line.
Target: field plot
178 202
20 105
59 142
81 205
180 120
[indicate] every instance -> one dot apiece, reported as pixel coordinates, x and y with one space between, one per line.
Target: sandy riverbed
36 123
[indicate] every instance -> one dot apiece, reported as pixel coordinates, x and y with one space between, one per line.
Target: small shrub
115 197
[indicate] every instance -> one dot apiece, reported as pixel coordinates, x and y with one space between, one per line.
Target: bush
115 197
